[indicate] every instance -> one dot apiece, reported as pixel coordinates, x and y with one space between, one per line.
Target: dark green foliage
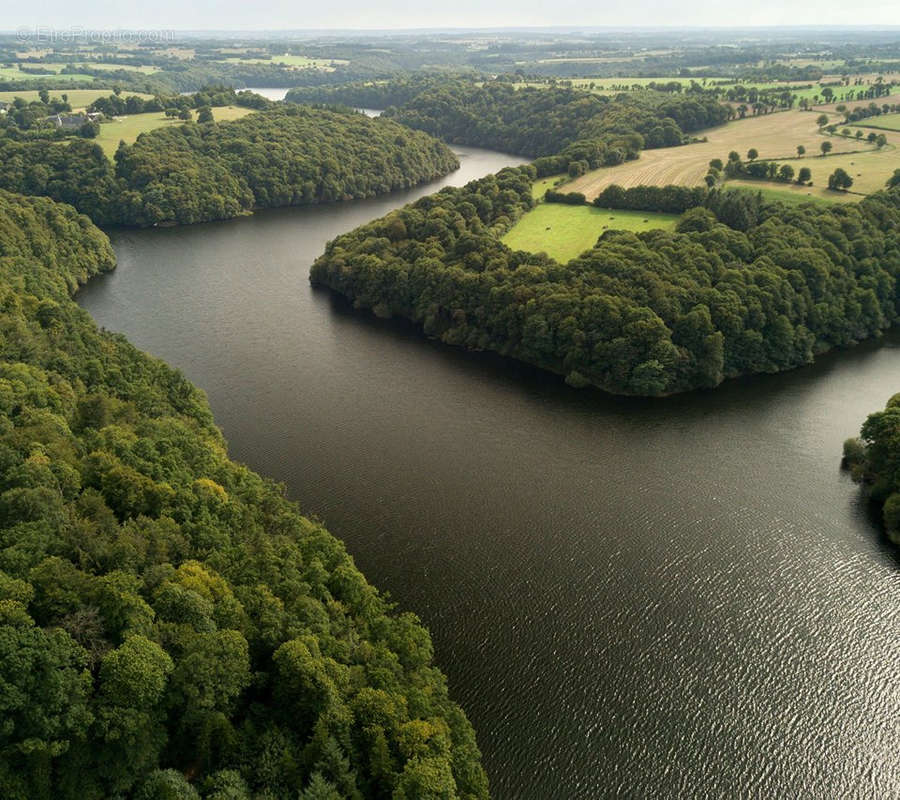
75 172
569 198
170 625
530 122
195 173
542 122
741 287
874 460
840 180
367 94
671 199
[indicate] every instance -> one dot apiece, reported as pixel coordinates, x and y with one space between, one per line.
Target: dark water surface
678 598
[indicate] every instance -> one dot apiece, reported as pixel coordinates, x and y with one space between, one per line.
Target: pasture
809 90
886 122
869 171
78 98
791 193
15 74
774 136
106 66
292 61
564 232
851 104
127 129
540 186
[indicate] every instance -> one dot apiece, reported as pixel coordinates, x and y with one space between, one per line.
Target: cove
648 598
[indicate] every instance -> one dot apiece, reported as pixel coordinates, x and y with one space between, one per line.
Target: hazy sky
281 14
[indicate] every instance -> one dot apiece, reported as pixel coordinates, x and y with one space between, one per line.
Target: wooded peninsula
171 625
164 611
287 156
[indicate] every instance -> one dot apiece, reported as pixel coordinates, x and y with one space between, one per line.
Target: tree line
874 460
290 155
528 121
31 119
742 286
170 625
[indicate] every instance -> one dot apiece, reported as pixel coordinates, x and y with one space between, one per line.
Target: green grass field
885 122
800 89
128 128
791 193
287 60
78 98
106 66
15 74
540 186
564 232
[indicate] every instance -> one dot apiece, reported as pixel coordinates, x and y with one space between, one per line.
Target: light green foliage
188 173
563 231
169 623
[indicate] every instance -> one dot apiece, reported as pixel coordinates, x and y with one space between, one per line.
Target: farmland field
563 231
887 122
286 60
15 74
78 98
106 66
869 171
128 128
800 89
775 136
793 194
851 104
540 186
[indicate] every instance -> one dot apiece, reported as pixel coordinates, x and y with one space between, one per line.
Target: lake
645 598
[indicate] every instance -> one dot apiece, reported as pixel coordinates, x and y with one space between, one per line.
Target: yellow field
107 66
294 62
775 136
128 128
78 98
869 171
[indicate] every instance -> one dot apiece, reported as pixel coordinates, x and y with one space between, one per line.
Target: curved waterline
660 598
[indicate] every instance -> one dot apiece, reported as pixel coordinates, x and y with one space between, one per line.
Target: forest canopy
170 625
742 286
874 459
529 121
292 155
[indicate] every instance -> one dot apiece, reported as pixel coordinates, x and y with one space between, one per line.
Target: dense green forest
28 119
292 155
742 286
874 459
397 91
530 122
541 122
170 625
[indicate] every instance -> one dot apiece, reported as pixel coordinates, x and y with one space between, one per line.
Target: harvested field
78 98
775 136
